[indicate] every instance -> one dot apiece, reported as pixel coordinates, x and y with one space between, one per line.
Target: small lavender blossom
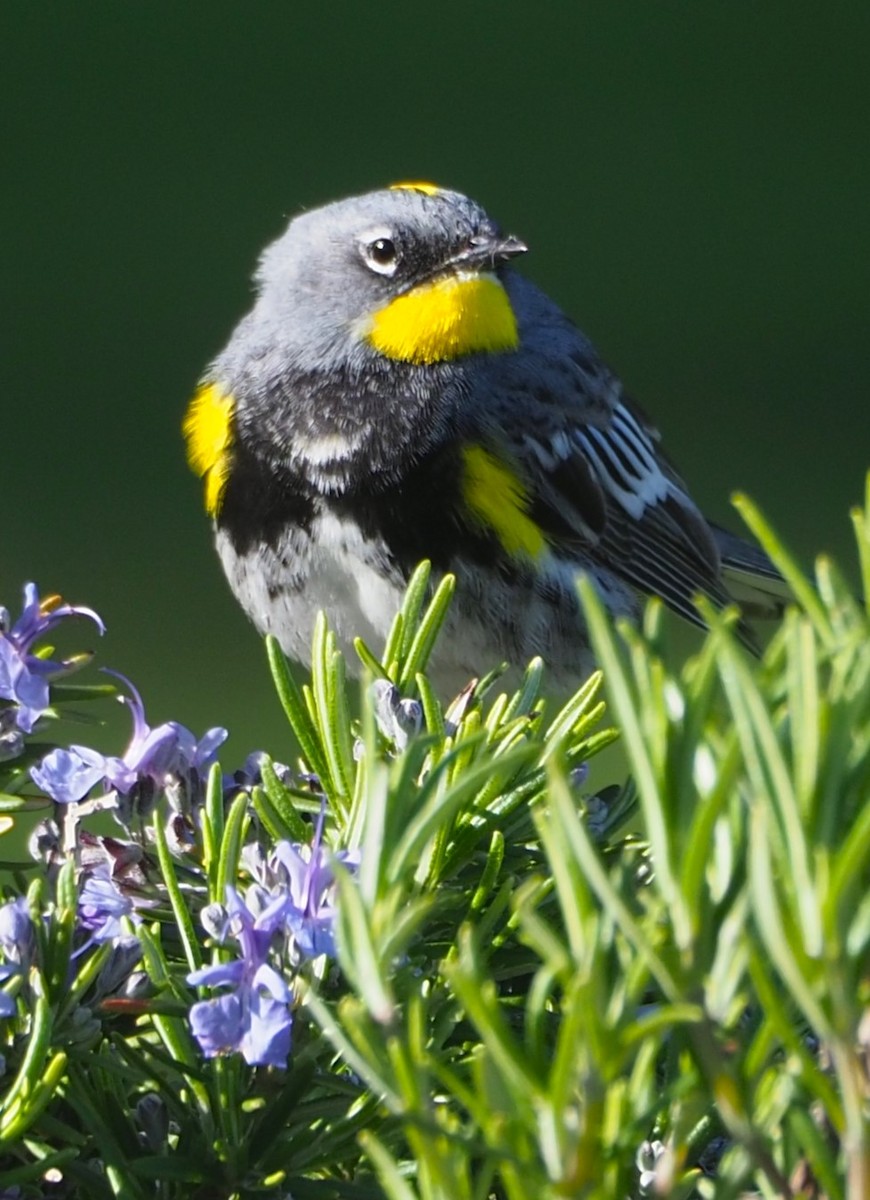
24 676
101 906
253 1020
180 833
17 942
154 757
250 774
304 875
398 720
597 813
68 775
310 881
18 683
44 841
17 935
161 754
117 970
646 1160
40 616
125 861
253 1017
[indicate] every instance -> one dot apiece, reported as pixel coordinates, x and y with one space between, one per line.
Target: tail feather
750 576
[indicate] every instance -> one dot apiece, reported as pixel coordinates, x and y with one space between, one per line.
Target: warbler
399 392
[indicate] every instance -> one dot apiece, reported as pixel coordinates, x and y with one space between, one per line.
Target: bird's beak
488 250
509 247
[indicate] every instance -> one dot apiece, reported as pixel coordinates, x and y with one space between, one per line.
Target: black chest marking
421 516
261 500
418 517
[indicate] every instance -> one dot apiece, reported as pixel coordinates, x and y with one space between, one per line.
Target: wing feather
611 494
598 482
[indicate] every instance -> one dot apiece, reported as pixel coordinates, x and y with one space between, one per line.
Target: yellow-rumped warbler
399 392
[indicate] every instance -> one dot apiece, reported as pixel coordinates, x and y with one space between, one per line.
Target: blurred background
692 179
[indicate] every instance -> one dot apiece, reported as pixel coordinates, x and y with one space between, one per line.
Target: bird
400 392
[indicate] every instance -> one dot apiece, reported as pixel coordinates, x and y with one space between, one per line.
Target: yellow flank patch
416 185
208 432
445 319
499 500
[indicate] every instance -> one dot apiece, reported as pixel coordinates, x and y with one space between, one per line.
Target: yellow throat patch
444 319
498 500
208 433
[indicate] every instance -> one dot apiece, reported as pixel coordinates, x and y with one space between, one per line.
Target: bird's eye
381 255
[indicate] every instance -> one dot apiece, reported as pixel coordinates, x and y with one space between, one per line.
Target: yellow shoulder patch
499 500
445 319
208 432
416 185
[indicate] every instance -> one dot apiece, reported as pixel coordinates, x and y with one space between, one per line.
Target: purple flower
17 935
117 971
39 616
68 775
254 1020
101 906
253 1017
398 720
156 756
124 861
24 676
310 881
250 774
18 683
160 755
17 941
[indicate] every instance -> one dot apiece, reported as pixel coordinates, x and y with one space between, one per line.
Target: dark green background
692 179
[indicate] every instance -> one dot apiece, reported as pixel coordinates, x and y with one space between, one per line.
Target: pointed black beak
509 247
486 249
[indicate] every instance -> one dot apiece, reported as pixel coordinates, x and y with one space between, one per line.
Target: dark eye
381 255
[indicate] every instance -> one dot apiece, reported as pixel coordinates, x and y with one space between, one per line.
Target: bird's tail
751 578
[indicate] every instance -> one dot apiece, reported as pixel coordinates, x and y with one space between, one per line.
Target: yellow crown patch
208 432
416 185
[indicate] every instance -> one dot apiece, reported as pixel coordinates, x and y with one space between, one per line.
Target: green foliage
545 988
704 985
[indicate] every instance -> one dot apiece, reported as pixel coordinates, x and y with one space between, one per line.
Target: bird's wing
599 484
605 488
